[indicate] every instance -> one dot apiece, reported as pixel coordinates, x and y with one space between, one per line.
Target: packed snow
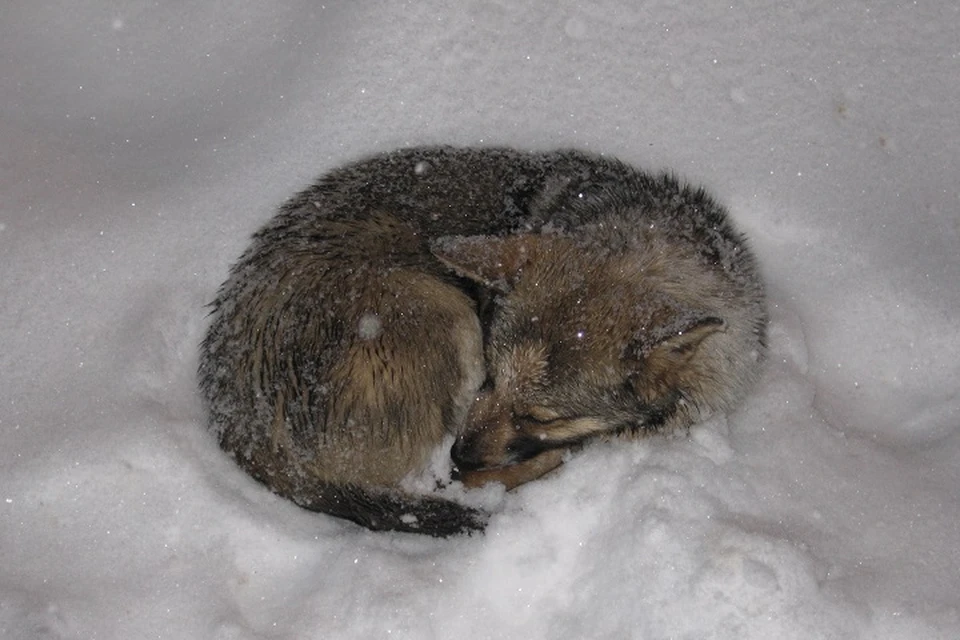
143 143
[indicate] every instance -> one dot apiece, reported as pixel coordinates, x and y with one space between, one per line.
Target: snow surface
143 142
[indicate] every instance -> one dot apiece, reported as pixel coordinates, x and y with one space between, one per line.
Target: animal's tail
388 510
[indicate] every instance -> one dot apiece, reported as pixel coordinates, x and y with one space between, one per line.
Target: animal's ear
494 262
676 349
662 360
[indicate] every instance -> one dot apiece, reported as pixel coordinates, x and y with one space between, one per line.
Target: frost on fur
521 303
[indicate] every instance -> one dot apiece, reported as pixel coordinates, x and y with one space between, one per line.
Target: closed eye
536 437
538 415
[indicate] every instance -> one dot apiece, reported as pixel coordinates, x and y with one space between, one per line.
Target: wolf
523 303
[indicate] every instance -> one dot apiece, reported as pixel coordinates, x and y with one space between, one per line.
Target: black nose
464 455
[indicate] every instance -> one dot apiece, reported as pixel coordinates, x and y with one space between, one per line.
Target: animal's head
586 340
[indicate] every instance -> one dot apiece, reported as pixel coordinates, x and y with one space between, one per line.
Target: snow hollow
143 142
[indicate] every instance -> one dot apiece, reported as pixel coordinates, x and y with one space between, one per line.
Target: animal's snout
484 444
466 454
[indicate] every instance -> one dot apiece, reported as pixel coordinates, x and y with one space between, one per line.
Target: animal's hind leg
411 369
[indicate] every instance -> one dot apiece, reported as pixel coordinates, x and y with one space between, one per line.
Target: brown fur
597 342
354 335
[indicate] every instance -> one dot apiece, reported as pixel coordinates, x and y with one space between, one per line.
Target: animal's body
523 302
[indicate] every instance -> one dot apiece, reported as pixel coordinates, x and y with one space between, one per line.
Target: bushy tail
387 510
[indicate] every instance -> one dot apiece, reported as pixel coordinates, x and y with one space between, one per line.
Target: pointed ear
489 260
666 365
662 359
677 349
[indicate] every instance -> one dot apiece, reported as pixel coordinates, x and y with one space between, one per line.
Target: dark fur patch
386 510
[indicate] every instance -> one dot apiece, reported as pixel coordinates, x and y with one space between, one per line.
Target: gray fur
347 341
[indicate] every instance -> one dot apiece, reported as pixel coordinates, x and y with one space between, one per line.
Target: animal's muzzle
466 454
469 454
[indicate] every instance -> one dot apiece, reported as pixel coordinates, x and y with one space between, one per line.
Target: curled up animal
525 303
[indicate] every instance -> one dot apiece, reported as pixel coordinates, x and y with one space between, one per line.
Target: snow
143 143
